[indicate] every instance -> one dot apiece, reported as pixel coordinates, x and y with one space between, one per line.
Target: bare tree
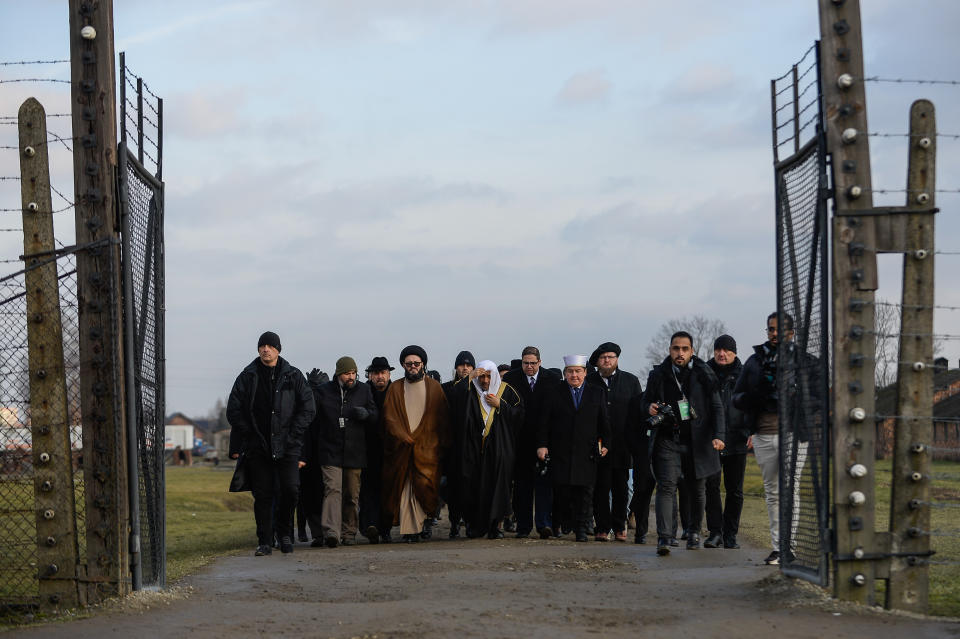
703 330
886 327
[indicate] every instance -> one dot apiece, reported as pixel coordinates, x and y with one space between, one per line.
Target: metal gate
141 201
802 290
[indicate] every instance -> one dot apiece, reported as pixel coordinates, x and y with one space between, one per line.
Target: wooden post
99 308
854 284
49 424
909 505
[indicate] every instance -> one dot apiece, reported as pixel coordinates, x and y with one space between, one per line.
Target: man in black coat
269 408
683 391
574 431
613 471
344 410
532 491
487 412
463 366
723 520
638 441
373 524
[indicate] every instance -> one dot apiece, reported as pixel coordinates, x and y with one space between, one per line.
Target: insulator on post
916 476
857 414
858 552
923 198
858 579
32 207
845 81
29 151
917 448
918 366
854 191
857 498
88 33
857 471
920 254
924 143
849 136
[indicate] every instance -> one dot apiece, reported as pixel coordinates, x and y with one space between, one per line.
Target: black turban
413 349
607 347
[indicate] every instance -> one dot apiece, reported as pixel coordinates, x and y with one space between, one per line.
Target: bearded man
487 412
415 422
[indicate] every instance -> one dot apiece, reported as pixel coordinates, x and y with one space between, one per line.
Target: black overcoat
704 397
735 420
572 435
623 388
526 458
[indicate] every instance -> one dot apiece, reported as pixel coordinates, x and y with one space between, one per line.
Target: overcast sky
359 176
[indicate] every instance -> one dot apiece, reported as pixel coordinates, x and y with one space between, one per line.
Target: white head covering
575 360
490 367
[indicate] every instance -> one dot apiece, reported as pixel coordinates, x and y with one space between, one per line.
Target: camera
543 466
665 415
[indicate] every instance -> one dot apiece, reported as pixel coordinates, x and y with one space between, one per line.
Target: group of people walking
548 451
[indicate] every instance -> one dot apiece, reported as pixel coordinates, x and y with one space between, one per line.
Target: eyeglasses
412 364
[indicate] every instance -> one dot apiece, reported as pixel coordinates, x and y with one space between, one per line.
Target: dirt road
482 588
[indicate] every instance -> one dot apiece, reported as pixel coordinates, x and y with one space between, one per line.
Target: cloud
585 87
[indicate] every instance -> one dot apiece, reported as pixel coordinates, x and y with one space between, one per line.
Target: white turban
491 368
575 360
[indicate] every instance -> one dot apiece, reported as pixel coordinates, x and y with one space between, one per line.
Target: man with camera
686 428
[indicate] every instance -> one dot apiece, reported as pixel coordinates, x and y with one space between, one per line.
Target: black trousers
610 515
724 519
273 481
643 484
370 488
575 505
673 464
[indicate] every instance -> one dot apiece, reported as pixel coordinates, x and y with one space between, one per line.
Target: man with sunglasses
416 430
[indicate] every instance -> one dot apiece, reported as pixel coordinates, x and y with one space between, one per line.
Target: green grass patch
204 519
945 488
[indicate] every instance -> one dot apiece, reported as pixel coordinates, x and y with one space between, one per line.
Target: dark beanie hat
270 339
464 357
344 365
413 349
725 342
607 347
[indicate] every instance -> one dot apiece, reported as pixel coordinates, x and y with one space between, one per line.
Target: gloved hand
361 413
317 377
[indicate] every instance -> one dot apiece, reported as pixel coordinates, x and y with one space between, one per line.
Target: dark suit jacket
572 435
526 460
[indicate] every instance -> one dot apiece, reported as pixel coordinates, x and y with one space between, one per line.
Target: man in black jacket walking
372 522
613 471
723 520
344 410
270 407
574 431
682 392
532 491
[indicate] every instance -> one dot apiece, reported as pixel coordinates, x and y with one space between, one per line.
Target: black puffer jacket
704 397
344 446
293 409
736 421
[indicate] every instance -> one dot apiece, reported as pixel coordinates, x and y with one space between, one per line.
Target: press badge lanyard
682 404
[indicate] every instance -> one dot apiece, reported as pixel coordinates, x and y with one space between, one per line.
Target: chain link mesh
803 362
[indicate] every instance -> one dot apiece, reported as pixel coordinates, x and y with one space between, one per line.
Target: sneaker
286 545
673 542
693 541
263 549
773 559
713 541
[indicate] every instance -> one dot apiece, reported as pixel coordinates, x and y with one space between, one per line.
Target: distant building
946 414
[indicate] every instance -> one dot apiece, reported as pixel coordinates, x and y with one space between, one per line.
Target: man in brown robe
415 421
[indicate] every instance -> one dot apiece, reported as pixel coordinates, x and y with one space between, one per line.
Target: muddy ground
515 588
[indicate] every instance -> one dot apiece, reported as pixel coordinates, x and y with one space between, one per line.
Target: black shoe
731 542
411 539
427 531
317 542
455 532
713 541
331 542
582 537
639 539
347 541
302 536
495 533
525 535
372 534
385 538
673 542
773 559
663 547
263 549
509 525
693 541
286 545
546 532
684 535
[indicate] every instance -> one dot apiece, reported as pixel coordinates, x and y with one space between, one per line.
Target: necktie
533 382
576 396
